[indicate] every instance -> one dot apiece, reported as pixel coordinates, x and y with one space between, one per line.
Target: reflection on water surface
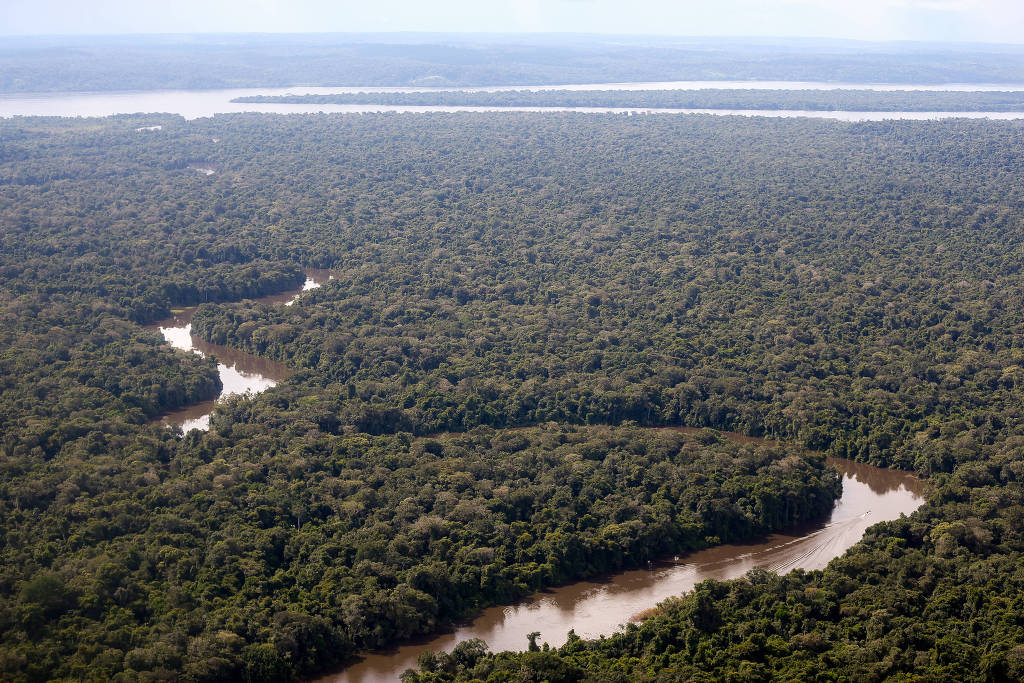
592 608
239 371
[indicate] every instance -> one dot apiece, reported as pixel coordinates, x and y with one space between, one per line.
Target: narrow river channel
591 608
239 371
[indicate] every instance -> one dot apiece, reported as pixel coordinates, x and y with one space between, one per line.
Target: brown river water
592 608
239 371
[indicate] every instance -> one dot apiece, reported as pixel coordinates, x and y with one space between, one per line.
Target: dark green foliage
852 288
805 100
285 554
654 274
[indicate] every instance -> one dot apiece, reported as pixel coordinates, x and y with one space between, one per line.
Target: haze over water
202 103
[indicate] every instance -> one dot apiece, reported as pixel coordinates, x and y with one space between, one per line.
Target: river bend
592 608
239 371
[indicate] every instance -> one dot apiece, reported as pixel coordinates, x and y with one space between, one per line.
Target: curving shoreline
595 607
240 372
192 104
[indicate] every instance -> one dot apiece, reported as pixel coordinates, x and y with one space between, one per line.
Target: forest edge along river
600 607
239 371
595 607
192 104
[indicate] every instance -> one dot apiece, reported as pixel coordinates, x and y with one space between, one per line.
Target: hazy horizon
961 21
797 43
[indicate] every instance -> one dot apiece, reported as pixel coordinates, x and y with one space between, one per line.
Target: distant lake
201 103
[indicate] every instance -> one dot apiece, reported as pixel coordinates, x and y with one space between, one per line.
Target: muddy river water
591 608
239 371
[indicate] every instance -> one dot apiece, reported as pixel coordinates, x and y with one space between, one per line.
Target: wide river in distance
193 104
592 608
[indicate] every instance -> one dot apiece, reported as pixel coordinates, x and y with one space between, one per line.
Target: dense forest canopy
806 100
849 288
84 63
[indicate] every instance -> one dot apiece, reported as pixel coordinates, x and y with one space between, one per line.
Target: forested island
517 297
805 100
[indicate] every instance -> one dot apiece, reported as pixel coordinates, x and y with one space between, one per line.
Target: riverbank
239 372
192 104
710 99
599 607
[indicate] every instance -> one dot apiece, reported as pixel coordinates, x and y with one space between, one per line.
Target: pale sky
956 20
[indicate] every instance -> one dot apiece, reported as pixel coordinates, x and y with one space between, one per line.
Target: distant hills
99 63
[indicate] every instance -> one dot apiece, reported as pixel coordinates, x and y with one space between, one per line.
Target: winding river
239 371
592 608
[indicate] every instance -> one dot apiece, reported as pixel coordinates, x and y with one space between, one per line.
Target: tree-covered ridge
807 100
282 554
